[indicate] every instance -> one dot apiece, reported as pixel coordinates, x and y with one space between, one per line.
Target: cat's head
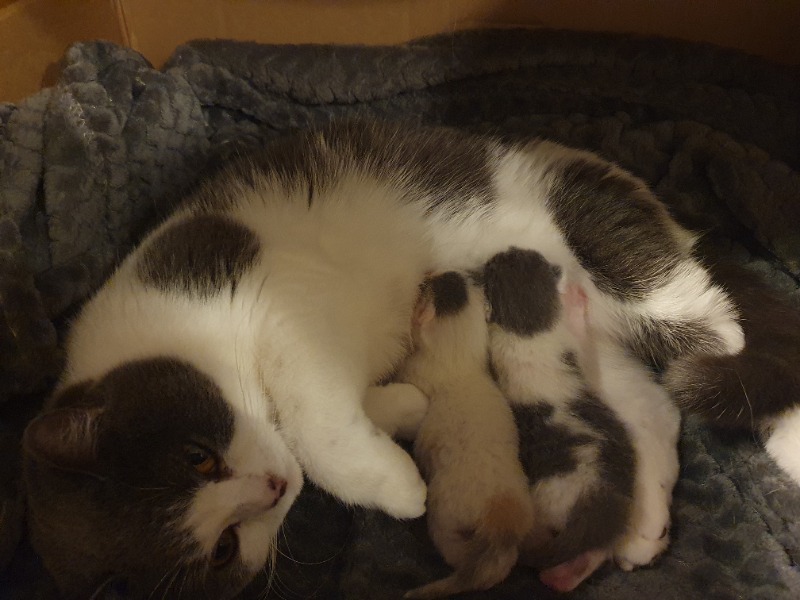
149 476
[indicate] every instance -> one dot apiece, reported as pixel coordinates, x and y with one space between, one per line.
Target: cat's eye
226 548
203 461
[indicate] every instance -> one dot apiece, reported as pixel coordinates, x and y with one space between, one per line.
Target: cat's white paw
403 492
636 550
648 530
397 408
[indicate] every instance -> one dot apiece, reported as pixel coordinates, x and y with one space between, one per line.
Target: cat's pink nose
276 486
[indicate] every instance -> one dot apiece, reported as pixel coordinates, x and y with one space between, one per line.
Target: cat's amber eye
203 461
226 548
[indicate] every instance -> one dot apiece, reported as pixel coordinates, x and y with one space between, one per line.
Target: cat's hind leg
686 313
759 388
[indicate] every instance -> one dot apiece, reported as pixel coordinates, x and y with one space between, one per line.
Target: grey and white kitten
598 435
233 349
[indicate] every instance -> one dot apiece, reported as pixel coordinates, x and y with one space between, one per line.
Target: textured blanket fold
87 166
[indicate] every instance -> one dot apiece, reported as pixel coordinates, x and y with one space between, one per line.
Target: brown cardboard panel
765 27
156 27
35 33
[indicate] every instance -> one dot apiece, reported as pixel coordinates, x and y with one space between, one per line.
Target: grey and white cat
233 349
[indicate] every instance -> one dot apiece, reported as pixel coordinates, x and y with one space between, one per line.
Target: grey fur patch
659 342
446 165
569 359
450 169
521 289
617 229
600 514
545 449
449 293
201 255
617 458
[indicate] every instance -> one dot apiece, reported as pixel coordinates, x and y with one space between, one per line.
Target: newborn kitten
467 449
598 435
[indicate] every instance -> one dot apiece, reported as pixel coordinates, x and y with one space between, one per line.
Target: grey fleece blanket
87 166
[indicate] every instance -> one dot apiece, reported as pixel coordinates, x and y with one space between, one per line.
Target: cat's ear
65 438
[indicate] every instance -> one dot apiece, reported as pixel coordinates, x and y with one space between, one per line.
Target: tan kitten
479 508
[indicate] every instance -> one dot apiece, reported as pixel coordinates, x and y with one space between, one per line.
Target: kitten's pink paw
569 575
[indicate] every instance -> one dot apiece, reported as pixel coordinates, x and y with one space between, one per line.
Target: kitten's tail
759 388
491 553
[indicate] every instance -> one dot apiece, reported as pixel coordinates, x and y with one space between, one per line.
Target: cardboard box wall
35 33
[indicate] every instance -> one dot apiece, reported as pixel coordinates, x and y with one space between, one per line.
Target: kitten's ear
65 437
425 309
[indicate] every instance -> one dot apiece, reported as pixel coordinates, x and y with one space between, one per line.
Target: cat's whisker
101 588
171 571
183 583
271 569
288 556
167 594
749 406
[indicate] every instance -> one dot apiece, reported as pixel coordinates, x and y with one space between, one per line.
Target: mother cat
234 347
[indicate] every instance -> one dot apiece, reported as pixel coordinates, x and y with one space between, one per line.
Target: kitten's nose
277 487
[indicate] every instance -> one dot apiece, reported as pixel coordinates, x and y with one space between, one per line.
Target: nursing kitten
598 435
467 448
234 347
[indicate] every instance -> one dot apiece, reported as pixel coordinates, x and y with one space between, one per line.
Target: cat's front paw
403 493
648 531
397 408
637 550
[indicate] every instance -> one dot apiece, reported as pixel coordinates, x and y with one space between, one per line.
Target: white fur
783 442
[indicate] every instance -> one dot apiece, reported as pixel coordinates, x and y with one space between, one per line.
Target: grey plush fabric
87 166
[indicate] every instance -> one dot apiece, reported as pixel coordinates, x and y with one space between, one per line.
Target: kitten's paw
397 408
403 493
636 550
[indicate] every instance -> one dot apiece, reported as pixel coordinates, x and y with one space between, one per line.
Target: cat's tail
491 552
758 388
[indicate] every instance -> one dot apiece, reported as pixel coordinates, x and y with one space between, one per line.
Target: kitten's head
151 477
448 326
